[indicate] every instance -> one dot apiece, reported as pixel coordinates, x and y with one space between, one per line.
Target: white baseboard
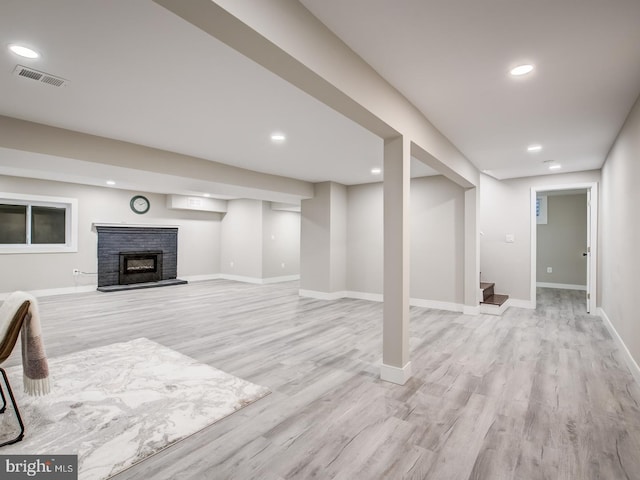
628 358
562 286
378 297
283 278
372 297
257 280
240 278
516 303
436 304
396 375
50 292
321 295
200 278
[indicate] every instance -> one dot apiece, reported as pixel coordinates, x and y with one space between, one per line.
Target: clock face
140 204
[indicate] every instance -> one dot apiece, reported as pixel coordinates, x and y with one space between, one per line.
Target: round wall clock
139 204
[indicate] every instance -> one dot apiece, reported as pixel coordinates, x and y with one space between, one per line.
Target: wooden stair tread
485 285
496 299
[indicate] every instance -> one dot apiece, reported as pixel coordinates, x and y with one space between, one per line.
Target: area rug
114 406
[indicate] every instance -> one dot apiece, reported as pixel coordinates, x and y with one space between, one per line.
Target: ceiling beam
82 154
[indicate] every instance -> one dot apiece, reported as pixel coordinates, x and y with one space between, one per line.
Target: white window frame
71 222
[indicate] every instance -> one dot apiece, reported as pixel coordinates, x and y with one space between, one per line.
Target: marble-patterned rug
114 406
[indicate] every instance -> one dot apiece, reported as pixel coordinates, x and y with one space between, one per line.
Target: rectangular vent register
42 77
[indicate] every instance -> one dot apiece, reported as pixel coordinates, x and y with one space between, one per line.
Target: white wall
338 237
323 239
505 208
562 240
256 241
198 236
241 239
255 238
365 238
281 242
314 240
620 238
437 239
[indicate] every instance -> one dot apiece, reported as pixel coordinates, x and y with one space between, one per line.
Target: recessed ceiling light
110 182
207 195
278 137
376 171
24 51
555 167
521 70
534 148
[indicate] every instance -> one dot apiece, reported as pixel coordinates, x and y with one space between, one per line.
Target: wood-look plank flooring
541 394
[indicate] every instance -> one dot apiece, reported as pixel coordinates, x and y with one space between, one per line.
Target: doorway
578 259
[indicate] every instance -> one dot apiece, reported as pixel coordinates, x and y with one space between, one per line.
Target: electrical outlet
549 270
76 271
231 264
282 265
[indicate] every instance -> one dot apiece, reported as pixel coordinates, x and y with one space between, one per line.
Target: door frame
592 237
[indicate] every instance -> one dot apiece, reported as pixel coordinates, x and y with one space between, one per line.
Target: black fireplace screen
139 267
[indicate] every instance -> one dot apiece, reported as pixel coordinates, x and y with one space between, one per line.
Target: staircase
492 303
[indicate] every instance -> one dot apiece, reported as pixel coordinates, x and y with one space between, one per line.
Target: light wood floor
530 395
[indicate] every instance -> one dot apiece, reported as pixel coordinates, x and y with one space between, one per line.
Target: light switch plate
510 238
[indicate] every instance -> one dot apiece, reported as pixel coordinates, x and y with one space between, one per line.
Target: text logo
51 467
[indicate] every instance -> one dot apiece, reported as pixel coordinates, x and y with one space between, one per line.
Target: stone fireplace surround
113 239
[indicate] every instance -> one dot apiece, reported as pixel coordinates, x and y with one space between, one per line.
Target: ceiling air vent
42 77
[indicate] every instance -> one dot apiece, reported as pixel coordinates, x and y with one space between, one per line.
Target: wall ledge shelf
131 225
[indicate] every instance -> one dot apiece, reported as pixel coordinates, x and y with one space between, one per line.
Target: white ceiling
451 59
140 74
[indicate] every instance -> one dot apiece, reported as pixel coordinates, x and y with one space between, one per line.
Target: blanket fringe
36 387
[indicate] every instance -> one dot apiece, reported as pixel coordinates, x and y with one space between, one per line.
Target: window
541 209
48 225
36 224
13 219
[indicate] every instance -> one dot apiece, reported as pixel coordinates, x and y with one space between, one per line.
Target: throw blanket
34 358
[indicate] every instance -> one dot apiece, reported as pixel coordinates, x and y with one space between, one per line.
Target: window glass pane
13 224
48 225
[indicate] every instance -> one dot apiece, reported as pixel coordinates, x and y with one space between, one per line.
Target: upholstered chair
9 330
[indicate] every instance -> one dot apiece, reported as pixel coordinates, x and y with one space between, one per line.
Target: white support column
471 252
396 366
323 242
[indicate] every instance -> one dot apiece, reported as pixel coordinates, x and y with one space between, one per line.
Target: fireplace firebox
140 267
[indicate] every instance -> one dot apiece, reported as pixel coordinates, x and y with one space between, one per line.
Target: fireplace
139 267
136 256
